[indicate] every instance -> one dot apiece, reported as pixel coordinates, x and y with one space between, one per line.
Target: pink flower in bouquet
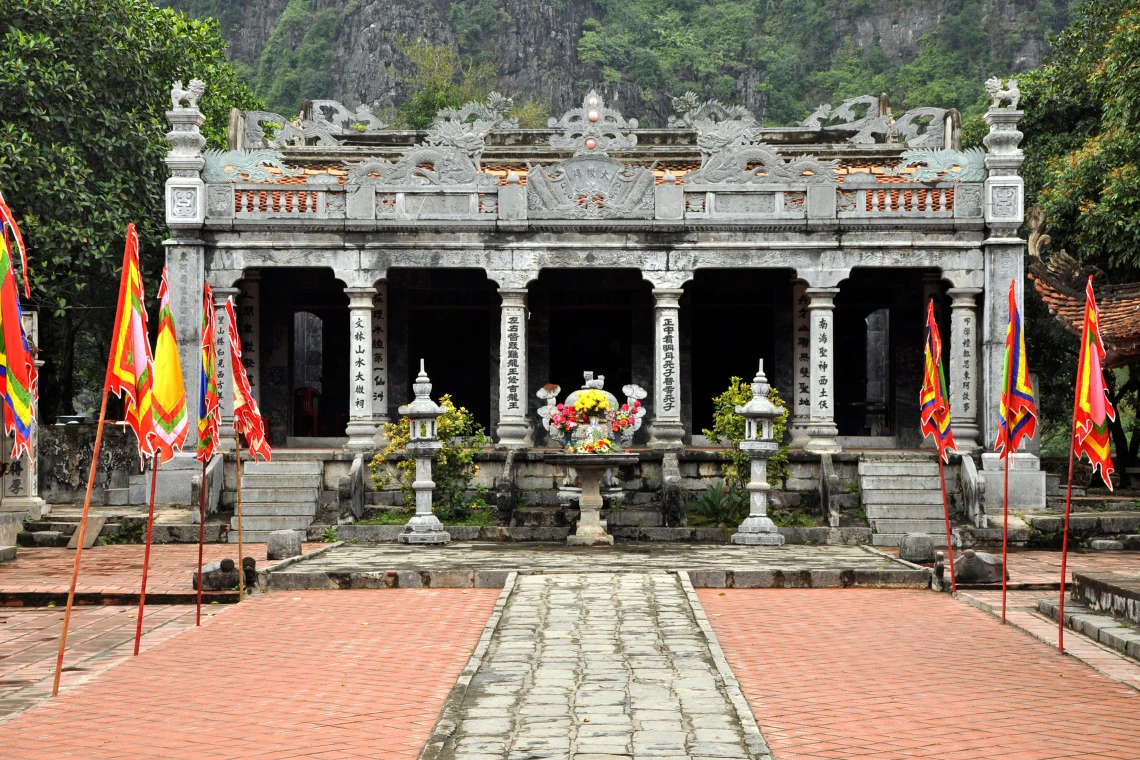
625 407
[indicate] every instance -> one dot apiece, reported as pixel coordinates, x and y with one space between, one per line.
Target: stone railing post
666 429
821 425
513 429
361 425
185 191
964 367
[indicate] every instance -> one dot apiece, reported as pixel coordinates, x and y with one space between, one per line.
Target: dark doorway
733 317
304 371
450 324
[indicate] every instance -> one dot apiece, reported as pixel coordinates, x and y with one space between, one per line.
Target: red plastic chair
310 407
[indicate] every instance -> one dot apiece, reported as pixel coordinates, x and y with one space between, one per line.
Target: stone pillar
513 429
666 429
249 328
224 370
20 484
361 426
186 272
821 425
1004 252
799 396
964 368
380 361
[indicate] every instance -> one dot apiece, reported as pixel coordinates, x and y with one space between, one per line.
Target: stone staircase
902 496
277 496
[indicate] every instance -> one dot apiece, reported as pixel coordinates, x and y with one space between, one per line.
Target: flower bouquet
596 446
623 418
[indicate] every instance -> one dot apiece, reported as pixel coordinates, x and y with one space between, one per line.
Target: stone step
1097 626
898 468
909 498
256 536
7 553
904 511
42 538
901 483
635 518
909 526
278 509
116 497
279 495
894 539
277 522
283 468
252 480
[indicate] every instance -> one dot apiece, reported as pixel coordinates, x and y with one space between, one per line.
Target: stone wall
65 461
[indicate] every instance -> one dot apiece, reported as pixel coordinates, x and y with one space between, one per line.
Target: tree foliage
728 430
84 85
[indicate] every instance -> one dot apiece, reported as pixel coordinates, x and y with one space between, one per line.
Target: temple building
668 259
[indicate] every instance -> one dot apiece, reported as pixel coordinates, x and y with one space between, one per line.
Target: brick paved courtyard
901 674
309 674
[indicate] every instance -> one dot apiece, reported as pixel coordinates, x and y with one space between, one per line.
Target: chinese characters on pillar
222 362
380 352
514 321
359 363
668 363
967 355
822 353
802 344
248 309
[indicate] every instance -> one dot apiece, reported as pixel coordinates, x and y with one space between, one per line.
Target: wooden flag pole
1065 546
82 529
146 554
1005 495
201 537
241 556
949 538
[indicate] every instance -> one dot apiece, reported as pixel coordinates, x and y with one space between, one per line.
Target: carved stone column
964 368
361 425
185 190
380 361
821 425
224 370
799 397
666 429
249 328
513 429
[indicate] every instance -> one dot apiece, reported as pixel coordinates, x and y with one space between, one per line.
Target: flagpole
241 555
949 538
146 554
82 528
1005 491
201 537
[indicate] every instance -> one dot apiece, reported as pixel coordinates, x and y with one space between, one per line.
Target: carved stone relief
230 165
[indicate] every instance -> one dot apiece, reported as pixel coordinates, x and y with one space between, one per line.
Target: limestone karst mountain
778 58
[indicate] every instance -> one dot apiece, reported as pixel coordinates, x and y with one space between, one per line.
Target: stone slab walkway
902 674
600 667
325 676
1043 568
488 564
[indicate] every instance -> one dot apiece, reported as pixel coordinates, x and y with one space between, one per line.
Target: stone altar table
590 468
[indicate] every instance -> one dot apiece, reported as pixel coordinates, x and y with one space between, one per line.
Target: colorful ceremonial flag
1018 409
132 366
933 407
18 380
247 417
208 404
170 421
8 218
1092 410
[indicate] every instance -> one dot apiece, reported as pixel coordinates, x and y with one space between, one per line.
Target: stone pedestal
424 527
1026 483
591 529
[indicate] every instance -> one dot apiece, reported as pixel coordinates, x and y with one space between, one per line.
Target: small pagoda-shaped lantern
423 445
759 444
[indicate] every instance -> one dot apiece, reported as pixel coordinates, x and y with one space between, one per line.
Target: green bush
454 466
720 506
728 430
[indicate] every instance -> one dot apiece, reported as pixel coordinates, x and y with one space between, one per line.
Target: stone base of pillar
799 435
361 435
513 434
822 438
666 434
33 505
424 529
966 437
757 539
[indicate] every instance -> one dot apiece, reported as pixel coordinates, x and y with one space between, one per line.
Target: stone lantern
759 444
424 527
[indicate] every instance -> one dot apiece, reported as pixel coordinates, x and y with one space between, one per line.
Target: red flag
1018 408
132 366
934 409
7 217
247 417
208 404
1092 410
